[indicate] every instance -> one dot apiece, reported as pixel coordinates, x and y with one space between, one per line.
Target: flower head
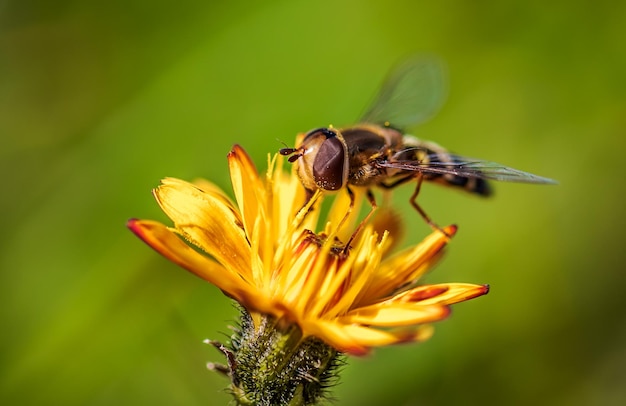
269 251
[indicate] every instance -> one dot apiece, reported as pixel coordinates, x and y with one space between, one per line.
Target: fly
376 153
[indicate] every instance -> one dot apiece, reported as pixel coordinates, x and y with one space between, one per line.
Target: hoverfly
377 153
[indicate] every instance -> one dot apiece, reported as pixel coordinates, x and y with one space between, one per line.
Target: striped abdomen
426 152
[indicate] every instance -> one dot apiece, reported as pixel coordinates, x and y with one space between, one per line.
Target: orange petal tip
138 227
480 290
356 351
236 150
451 230
132 225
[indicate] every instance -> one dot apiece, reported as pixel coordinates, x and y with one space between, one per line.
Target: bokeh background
101 99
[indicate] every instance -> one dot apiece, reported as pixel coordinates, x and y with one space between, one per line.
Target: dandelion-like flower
305 296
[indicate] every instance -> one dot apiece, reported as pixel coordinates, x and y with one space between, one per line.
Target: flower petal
387 221
213 190
288 196
407 266
358 269
396 314
248 187
207 222
168 244
342 217
446 293
359 340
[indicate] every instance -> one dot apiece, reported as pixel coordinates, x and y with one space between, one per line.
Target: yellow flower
266 252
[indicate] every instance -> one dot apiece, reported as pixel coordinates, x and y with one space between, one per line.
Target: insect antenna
290 151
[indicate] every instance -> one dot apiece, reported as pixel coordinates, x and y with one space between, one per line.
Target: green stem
270 365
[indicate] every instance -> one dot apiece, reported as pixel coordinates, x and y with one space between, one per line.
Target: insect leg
308 196
372 200
397 182
388 186
345 217
413 200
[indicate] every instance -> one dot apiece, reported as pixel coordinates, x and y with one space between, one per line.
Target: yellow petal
359 340
448 293
341 337
206 222
288 197
168 244
407 266
342 216
248 187
396 314
358 270
388 221
213 190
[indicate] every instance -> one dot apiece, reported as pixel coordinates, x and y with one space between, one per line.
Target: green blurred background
101 99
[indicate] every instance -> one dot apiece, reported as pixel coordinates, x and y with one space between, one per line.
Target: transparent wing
412 93
467 168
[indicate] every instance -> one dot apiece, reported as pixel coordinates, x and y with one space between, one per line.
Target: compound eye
319 132
330 164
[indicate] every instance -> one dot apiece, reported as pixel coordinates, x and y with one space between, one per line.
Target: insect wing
411 94
467 168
